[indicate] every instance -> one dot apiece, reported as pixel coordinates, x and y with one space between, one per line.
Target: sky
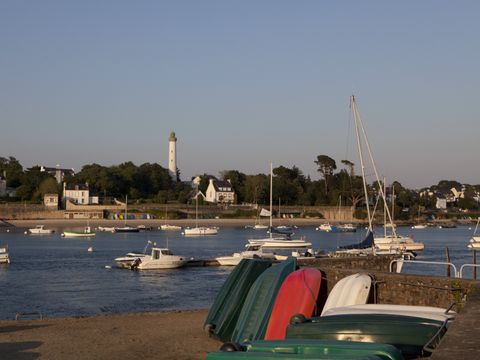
242 84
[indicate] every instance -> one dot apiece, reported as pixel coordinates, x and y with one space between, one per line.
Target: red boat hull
297 295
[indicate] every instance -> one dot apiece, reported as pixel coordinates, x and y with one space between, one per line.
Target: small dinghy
351 290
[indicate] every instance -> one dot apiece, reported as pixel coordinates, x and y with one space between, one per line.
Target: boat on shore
40 230
86 232
4 257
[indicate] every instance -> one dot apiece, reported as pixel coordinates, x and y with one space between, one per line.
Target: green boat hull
326 347
253 320
224 313
408 334
239 355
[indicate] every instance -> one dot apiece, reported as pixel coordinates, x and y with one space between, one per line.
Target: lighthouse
172 156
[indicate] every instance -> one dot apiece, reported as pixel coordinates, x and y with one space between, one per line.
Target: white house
50 201
220 192
78 194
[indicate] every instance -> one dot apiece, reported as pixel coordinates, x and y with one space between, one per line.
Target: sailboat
393 242
280 241
475 240
168 227
125 228
199 230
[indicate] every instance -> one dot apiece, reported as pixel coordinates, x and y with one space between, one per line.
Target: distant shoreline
155 223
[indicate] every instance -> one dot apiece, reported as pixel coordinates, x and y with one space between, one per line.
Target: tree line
152 183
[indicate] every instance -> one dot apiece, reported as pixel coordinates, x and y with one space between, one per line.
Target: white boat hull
280 243
428 312
69 234
351 290
170 227
173 263
200 231
401 246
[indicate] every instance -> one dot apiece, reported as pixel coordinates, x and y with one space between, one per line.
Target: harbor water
58 277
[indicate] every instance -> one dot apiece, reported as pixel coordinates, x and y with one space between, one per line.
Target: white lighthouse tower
172 156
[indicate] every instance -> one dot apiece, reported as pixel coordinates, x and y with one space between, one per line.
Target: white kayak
351 290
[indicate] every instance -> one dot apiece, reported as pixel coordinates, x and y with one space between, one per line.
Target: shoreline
157 335
155 223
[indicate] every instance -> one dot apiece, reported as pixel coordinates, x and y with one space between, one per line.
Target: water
59 277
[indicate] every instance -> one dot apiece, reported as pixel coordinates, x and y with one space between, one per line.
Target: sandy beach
162 335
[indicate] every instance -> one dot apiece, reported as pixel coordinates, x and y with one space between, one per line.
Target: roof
76 187
223 186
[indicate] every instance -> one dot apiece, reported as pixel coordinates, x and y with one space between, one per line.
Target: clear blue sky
242 83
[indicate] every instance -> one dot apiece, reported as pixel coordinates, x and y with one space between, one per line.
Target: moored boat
86 232
200 231
160 258
4 257
40 230
167 227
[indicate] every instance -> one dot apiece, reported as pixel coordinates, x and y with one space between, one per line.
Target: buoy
90 249
26 232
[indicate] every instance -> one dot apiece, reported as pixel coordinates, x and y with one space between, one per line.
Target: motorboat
106 229
4 257
167 227
398 242
252 251
160 258
40 230
86 232
199 231
260 227
419 226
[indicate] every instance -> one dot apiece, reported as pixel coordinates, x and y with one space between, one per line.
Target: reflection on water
59 277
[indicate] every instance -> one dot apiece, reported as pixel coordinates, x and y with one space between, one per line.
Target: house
78 194
57 173
220 192
51 201
441 203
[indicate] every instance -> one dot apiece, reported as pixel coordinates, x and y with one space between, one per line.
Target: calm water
58 277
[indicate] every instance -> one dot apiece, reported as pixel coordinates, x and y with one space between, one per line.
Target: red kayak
297 295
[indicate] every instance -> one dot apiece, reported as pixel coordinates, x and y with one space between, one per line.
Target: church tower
172 156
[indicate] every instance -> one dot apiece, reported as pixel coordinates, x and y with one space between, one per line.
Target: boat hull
255 314
71 234
408 334
315 349
200 231
297 295
223 314
351 290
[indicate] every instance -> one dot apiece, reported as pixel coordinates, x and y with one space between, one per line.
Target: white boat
126 228
4 257
260 227
400 243
280 243
40 230
427 312
284 241
351 290
419 226
87 232
167 227
199 230
474 242
160 258
251 251
106 228
346 228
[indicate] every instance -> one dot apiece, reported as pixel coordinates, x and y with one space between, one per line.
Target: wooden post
475 263
447 253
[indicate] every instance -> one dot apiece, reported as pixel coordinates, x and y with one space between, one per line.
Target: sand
161 335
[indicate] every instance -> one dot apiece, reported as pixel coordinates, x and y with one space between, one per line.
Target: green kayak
253 320
223 314
413 336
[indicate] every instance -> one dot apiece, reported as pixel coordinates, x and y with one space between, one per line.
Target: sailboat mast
372 160
360 154
126 202
196 209
271 198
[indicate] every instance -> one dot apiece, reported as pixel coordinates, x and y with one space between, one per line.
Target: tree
350 165
326 166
